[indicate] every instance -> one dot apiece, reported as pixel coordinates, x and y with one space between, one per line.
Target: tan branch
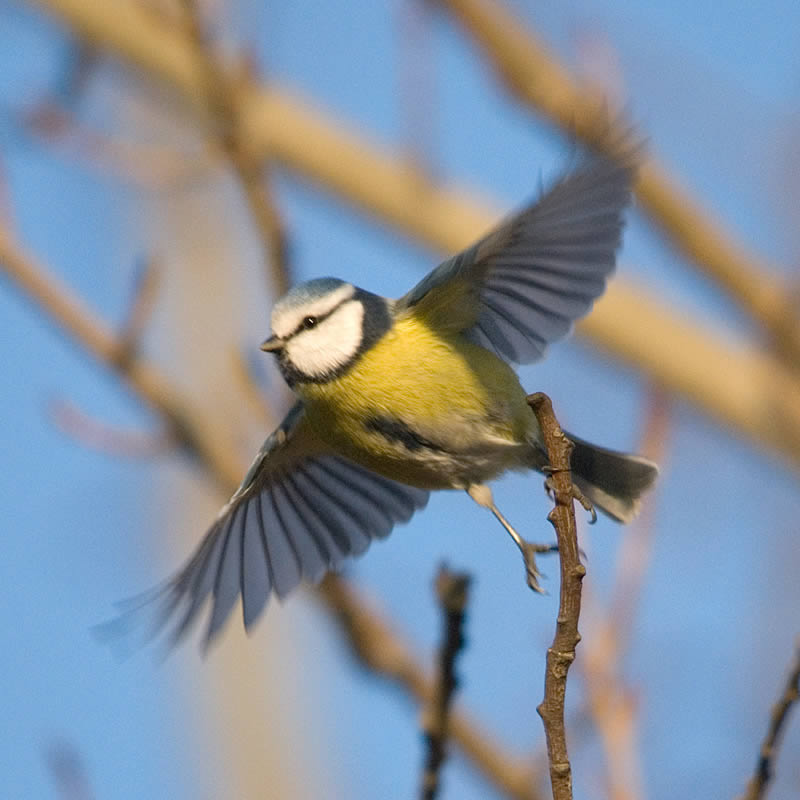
534 75
197 433
733 383
561 653
757 786
224 102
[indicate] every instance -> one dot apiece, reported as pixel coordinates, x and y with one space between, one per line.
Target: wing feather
351 519
256 578
330 542
526 283
228 579
313 558
300 511
286 565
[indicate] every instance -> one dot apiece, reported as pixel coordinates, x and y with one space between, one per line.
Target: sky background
716 91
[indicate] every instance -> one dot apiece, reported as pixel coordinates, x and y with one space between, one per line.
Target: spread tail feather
613 481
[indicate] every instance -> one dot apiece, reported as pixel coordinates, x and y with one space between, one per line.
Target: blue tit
397 398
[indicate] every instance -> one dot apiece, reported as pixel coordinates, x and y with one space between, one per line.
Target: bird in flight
397 398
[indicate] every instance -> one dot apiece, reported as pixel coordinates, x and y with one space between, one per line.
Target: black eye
309 322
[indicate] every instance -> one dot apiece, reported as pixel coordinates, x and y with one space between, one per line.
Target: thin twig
99 435
147 279
757 786
561 653
111 153
452 591
223 95
200 437
533 75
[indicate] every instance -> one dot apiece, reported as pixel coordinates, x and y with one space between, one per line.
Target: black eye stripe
318 318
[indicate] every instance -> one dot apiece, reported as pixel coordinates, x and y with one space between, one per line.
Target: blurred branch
735 384
538 80
252 389
757 786
200 437
68 771
98 435
636 547
223 98
147 279
416 91
452 592
121 157
561 653
75 78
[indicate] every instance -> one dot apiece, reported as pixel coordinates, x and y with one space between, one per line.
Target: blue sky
717 95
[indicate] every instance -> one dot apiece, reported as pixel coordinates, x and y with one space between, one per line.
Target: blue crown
310 290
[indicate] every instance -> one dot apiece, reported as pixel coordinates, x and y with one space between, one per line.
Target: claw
587 504
529 552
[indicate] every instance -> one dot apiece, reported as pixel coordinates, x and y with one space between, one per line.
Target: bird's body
454 417
400 397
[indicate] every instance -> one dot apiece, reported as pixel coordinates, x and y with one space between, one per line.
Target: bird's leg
482 495
577 494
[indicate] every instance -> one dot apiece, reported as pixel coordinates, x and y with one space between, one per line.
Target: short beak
272 344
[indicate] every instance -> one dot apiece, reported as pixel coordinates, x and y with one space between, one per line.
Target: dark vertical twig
452 591
757 785
561 653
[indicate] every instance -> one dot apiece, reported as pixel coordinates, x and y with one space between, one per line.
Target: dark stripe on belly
394 430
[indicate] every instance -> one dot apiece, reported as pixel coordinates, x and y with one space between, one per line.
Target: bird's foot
529 552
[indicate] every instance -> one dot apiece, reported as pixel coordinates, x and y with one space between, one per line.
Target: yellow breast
448 390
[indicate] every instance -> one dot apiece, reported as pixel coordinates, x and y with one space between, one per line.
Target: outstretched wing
523 285
300 511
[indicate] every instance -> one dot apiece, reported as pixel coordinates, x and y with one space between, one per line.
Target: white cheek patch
286 321
332 344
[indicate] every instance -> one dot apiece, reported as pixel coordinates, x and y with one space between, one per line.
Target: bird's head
321 327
